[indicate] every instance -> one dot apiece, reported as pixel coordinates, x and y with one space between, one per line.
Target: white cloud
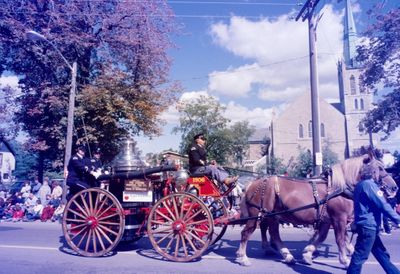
279 51
258 117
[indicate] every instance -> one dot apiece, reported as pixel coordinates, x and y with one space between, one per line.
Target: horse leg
241 256
349 245
263 230
339 227
276 242
318 238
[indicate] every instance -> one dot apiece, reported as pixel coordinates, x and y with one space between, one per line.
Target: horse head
384 180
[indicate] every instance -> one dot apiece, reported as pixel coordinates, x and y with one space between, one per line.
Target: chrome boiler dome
128 159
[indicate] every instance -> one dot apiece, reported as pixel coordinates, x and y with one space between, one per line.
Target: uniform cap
200 135
81 148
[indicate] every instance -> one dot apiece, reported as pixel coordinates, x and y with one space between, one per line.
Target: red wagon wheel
93 222
180 227
218 210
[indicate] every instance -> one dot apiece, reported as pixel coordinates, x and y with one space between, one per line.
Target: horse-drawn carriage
188 214
180 214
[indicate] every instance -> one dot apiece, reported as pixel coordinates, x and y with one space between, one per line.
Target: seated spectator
18 213
30 202
47 213
57 190
44 191
35 213
58 213
25 190
15 199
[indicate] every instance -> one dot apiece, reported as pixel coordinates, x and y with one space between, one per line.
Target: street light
33 35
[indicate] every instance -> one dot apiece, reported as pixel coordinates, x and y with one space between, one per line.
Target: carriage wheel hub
92 222
178 226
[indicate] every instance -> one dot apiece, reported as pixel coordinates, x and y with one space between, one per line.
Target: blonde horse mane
346 172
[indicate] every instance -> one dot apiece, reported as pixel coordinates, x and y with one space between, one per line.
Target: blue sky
252 56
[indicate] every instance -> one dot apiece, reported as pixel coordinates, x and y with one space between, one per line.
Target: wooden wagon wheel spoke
192 216
77 227
184 245
88 240
81 209
200 230
169 243
160 230
190 242
79 232
175 207
196 237
96 204
197 222
94 241
108 223
165 237
108 216
108 230
99 237
105 211
158 222
86 208
163 215
103 201
188 211
76 220
177 245
90 203
83 237
93 222
104 235
77 213
170 213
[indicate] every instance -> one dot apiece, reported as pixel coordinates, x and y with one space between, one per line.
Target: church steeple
349 38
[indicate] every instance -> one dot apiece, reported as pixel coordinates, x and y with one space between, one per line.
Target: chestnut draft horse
301 203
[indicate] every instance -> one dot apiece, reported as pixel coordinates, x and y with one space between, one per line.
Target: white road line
212 257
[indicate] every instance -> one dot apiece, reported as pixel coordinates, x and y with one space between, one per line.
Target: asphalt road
39 248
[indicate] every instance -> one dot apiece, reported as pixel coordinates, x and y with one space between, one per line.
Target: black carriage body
136 191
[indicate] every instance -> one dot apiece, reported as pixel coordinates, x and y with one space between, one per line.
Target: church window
362 88
352 85
361 104
310 129
322 130
355 104
301 132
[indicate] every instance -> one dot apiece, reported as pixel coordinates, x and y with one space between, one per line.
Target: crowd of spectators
34 201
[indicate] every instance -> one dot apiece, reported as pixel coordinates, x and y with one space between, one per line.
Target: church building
339 122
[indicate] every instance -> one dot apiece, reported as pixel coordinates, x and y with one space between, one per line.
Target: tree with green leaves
105 38
205 114
380 56
303 163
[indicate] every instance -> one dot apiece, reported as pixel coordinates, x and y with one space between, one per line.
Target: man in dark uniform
369 204
78 170
95 167
198 162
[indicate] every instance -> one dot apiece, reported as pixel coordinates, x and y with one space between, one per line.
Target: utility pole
307 12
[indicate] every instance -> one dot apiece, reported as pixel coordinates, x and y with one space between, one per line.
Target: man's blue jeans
368 241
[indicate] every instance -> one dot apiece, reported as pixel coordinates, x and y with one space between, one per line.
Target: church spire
349 37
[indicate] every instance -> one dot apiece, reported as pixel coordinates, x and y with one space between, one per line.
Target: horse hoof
243 262
289 260
307 260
